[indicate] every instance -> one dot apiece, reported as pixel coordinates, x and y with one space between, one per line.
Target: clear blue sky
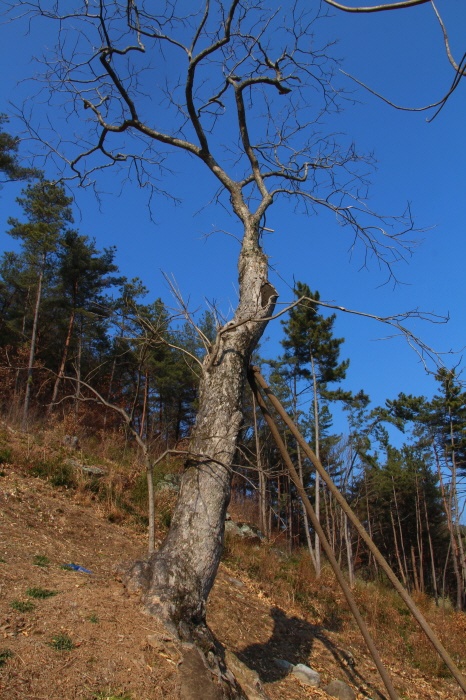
400 54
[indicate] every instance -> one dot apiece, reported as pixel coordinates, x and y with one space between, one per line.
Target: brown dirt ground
112 656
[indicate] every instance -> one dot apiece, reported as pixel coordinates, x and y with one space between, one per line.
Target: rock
249 680
284 665
93 471
170 482
232 529
196 680
235 582
340 690
306 675
246 530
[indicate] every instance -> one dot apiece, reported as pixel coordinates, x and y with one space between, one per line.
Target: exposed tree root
206 670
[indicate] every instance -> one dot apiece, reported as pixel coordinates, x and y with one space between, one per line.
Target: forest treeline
77 336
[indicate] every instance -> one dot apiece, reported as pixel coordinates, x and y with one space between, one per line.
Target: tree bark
178 578
32 351
61 371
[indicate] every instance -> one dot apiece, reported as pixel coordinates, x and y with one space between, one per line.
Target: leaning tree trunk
179 576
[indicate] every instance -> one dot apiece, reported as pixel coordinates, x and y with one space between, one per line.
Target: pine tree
9 161
83 275
312 354
47 209
439 428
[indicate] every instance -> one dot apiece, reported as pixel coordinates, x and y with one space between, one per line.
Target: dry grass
119 497
292 581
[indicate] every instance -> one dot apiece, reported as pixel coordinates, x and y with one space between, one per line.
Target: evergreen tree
439 429
312 354
47 210
400 501
83 275
9 161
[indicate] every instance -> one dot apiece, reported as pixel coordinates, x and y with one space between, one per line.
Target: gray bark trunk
178 578
32 351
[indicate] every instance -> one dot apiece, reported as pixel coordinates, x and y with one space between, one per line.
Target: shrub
22 605
5 455
40 593
40 560
62 643
5 654
56 471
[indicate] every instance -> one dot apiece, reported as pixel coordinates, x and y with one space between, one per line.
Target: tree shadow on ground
293 640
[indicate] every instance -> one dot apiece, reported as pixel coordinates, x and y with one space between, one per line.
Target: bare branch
377 8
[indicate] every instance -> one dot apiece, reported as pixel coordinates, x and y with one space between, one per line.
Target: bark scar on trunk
268 292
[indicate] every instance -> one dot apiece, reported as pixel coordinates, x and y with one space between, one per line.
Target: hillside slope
114 654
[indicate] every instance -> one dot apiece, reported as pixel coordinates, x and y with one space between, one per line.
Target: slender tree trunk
397 552
455 509
177 579
369 527
420 541
61 371
400 529
305 518
23 334
144 405
78 370
414 563
110 389
431 551
349 551
317 452
261 474
32 351
447 504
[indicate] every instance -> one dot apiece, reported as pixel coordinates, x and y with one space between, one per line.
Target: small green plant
2 560
22 605
62 643
56 471
40 593
93 618
5 455
40 560
5 654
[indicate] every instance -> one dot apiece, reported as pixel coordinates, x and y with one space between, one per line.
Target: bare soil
114 654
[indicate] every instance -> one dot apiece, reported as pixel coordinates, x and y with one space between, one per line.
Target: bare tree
242 87
459 66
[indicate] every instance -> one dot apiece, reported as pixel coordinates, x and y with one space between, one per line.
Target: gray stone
232 528
169 482
284 665
93 471
236 582
306 675
340 690
249 680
